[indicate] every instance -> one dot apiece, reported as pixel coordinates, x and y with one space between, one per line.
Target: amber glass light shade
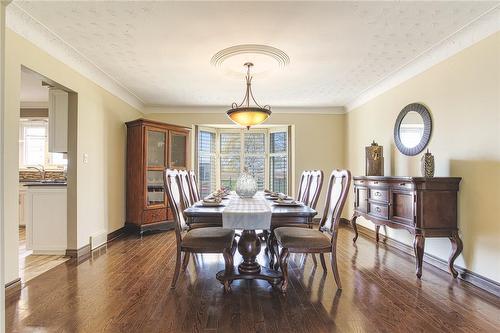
248 116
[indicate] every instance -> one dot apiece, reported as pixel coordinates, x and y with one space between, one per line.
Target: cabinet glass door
155 190
178 150
156 142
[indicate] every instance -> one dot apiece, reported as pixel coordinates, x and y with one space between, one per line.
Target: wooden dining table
249 244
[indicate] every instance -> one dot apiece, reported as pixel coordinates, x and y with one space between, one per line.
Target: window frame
48 156
267 135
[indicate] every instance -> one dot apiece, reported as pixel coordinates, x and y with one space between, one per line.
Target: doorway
43 163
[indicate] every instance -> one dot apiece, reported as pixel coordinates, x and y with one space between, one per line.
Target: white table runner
248 214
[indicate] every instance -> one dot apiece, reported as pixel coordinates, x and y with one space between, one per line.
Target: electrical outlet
85 158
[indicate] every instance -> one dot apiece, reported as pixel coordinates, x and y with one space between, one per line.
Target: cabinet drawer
379 195
377 183
155 215
381 211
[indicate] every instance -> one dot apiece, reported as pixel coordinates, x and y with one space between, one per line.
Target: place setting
281 199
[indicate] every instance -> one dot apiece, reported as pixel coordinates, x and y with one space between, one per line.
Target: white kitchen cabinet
58 121
45 212
22 195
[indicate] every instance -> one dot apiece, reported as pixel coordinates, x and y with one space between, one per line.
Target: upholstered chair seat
210 239
302 238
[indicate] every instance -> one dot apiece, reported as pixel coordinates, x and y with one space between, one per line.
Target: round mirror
412 130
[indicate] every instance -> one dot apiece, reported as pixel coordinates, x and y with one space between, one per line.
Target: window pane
34 143
230 143
229 171
255 166
206 142
255 143
278 173
206 162
207 175
278 142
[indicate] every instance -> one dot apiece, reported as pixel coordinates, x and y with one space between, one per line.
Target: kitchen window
222 154
33 146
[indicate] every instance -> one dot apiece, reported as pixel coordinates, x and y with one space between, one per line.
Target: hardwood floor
31 265
126 289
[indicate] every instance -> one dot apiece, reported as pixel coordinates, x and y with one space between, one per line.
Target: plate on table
288 203
210 204
277 199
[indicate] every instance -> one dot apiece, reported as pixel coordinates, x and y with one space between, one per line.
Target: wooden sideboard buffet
426 207
151 147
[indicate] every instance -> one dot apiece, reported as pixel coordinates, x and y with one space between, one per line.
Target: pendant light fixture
245 115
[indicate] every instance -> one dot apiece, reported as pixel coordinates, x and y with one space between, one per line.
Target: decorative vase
374 160
246 186
427 164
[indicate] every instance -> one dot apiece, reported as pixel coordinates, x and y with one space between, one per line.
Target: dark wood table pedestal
249 247
426 207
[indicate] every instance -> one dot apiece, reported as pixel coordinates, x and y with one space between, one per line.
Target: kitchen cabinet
22 195
58 121
45 213
151 148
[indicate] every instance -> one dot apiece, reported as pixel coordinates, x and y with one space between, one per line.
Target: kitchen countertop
35 183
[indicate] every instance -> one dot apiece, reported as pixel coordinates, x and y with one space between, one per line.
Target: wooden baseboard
475 279
116 234
13 284
79 254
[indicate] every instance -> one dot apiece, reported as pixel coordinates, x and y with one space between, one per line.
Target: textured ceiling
161 51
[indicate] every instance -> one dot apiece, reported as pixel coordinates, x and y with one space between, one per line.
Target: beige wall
319 138
463 95
2 239
100 192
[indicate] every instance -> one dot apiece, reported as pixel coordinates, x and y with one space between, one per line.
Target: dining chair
303 185
186 195
200 240
314 188
304 240
195 193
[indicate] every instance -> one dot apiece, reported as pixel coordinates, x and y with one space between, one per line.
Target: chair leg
185 261
284 268
234 247
228 261
276 250
335 270
314 259
323 263
177 268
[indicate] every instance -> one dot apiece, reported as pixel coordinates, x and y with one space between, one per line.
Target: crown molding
476 30
221 109
34 31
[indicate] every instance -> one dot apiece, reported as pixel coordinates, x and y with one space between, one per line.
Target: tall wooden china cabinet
151 148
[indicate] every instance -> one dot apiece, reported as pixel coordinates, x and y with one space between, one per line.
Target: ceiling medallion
245 115
268 58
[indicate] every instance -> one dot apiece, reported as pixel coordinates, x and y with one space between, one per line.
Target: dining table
250 215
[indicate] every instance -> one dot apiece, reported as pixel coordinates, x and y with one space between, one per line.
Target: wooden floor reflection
126 289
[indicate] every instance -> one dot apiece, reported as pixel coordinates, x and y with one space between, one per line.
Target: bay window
222 154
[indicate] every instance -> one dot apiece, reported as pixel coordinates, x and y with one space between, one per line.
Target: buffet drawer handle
378 194
402 184
377 209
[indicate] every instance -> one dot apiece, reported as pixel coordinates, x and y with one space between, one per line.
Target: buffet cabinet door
361 199
403 207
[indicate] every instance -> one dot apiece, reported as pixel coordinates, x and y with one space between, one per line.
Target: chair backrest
314 187
174 195
187 199
338 189
303 184
195 193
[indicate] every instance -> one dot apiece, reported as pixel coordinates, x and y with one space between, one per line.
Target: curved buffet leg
377 231
418 247
354 227
456 249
